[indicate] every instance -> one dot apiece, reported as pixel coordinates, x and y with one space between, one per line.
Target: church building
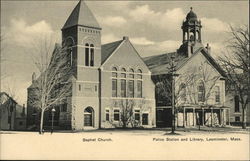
112 84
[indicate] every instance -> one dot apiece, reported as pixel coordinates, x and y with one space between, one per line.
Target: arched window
92 55
123 82
131 83
114 82
201 92
69 44
139 83
217 94
183 92
86 54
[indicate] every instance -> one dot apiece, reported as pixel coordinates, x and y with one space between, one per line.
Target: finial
191 8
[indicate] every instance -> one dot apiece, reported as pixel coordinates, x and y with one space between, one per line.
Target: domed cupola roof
191 15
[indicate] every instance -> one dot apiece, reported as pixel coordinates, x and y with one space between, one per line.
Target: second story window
139 83
131 83
89 54
114 82
123 82
92 55
183 92
217 94
201 92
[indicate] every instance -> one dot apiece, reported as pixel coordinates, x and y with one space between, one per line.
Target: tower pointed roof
81 15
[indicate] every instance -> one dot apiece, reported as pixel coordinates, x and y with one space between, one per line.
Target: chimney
33 77
125 38
208 48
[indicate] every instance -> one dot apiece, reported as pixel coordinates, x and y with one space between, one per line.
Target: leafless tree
127 111
236 62
53 85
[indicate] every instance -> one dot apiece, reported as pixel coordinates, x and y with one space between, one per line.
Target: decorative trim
87 81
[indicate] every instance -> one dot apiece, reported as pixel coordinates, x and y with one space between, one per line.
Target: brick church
108 77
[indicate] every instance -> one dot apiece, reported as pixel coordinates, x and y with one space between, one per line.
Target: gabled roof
160 64
81 15
108 49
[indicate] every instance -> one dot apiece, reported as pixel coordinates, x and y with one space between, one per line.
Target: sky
154 27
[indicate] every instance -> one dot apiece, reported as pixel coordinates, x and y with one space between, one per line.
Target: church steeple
81 15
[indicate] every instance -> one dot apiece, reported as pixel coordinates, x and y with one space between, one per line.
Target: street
232 143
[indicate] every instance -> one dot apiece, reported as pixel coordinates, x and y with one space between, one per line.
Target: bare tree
236 62
53 85
127 109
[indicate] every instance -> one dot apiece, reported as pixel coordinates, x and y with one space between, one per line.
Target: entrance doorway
89 117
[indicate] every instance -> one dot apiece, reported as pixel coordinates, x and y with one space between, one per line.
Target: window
20 123
123 88
80 87
236 104
114 82
86 54
137 115
217 94
183 92
64 107
131 88
145 119
114 87
131 73
116 115
92 55
201 92
237 119
70 56
123 74
89 55
107 115
139 88
139 74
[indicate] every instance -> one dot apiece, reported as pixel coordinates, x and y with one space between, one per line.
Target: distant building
12 115
106 77
199 82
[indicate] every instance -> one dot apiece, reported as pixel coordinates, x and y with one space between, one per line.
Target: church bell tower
191 29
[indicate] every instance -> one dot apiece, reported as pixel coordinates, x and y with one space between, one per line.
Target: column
184 117
212 116
221 117
203 117
229 117
193 116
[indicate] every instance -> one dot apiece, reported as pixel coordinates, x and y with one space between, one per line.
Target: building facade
197 80
110 81
12 115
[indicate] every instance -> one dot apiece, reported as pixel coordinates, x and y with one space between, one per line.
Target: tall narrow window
87 54
116 115
236 104
139 83
131 83
217 94
201 92
114 82
123 88
123 82
183 92
92 55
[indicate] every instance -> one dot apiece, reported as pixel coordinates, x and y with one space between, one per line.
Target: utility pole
173 70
